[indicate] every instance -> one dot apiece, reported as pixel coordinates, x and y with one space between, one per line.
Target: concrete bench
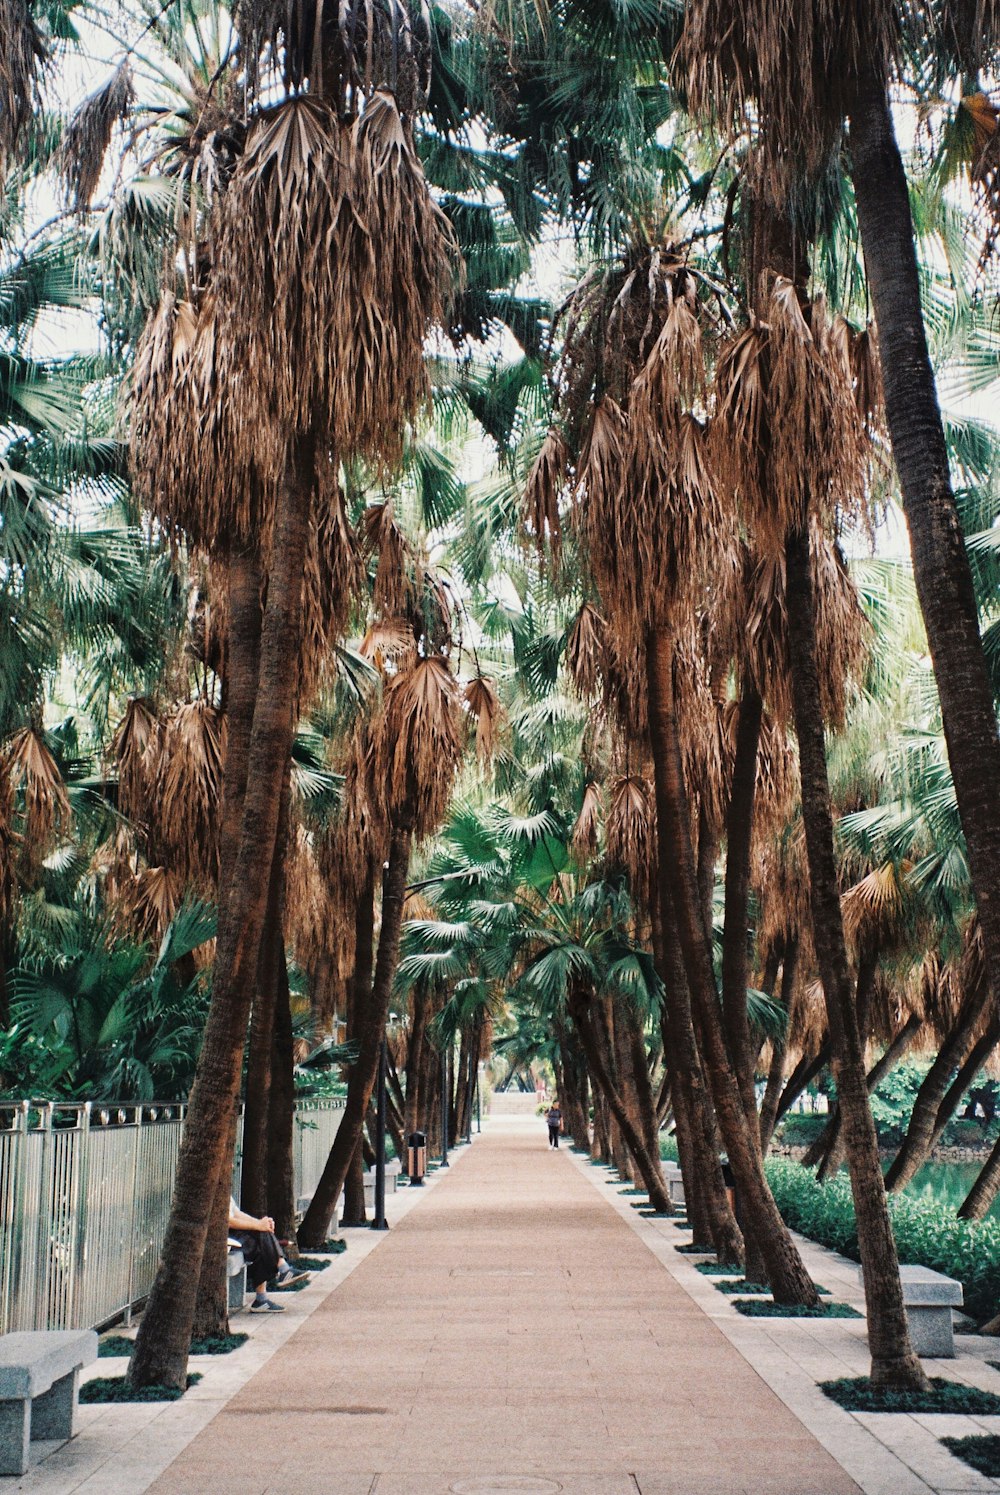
675 1182
236 1276
929 1298
39 1389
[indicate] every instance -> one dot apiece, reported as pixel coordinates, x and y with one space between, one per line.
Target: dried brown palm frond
788 439
585 651
136 749
22 57
481 698
40 792
842 631
394 593
540 508
586 827
986 163
387 641
783 70
807 1020
88 133
417 743
777 778
194 747
359 838
153 900
780 879
307 901
343 49
858 350
333 579
874 905
630 832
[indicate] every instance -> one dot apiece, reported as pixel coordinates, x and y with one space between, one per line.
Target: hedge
927 1235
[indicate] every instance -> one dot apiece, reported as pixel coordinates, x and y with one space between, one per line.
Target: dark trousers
553 1136
261 1252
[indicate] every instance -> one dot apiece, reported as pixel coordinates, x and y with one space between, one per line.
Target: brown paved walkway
512 1325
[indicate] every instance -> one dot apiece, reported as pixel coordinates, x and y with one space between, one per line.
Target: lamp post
380 1222
468 1096
444 1109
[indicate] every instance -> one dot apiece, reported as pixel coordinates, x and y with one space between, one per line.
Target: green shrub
801 1128
759 1308
982 1453
927 1235
963 1133
859 1395
114 1389
668 1148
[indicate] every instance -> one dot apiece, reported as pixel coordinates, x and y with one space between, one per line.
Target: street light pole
444 1109
380 1222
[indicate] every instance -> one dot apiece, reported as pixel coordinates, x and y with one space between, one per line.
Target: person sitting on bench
263 1256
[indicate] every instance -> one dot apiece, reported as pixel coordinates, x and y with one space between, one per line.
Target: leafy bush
801 1128
982 1453
668 1148
760 1308
859 1395
927 1235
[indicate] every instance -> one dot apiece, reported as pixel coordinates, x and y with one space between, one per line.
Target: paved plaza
521 1328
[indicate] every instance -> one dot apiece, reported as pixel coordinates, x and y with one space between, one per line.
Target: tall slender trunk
952 1054
581 1010
281 1198
978 1055
371 1021
802 1076
211 1309
776 1073
985 1189
359 994
941 567
709 1211
735 938
864 990
831 1154
893 1359
788 1278
161 1349
418 1024
253 1181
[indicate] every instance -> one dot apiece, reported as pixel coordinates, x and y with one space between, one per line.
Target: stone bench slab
923 1287
929 1298
39 1389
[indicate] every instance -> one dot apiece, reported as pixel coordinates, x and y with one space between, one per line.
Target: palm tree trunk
359 994
211 1309
831 1155
281 1199
867 971
371 1021
894 1362
707 1202
985 1189
585 1022
776 1073
952 1054
418 1023
253 1180
788 1278
739 834
941 567
161 1348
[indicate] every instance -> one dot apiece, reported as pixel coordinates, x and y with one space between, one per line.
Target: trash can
416 1158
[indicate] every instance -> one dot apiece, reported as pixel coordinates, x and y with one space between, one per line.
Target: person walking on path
553 1117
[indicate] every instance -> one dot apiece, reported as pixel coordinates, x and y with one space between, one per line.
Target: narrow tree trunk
819 1149
281 1195
371 1029
952 1054
772 1092
832 1153
161 1349
983 1192
358 999
894 1362
585 1021
354 1189
802 1076
788 1278
941 567
253 1180
418 1022
211 1309
978 1056
735 938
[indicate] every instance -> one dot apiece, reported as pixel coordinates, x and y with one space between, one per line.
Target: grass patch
311 1264
694 1249
113 1346
654 1214
274 1286
713 1268
114 1389
333 1246
857 1394
218 1344
633 1190
982 1453
756 1308
740 1285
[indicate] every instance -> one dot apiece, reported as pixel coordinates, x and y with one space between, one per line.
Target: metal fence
85 1196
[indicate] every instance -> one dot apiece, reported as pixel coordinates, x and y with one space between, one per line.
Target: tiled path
513 1333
